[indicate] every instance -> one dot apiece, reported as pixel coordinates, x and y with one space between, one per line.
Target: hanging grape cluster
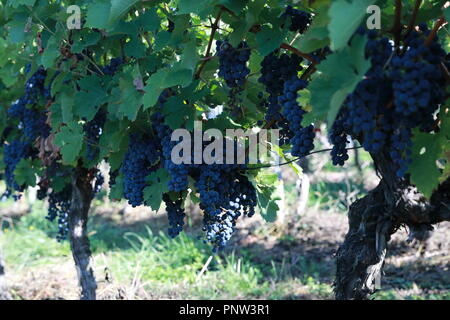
275 71
138 163
225 195
279 74
13 153
403 90
59 203
32 123
175 213
299 20
303 137
225 192
233 69
93 130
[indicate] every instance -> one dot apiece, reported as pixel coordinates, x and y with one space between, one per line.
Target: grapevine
113 92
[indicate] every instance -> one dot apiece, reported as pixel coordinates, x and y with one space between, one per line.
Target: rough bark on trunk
79 242
372 221
4 293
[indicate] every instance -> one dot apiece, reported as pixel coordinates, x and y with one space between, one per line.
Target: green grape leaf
177 112
315 39
113 138
26 171
267 185
98 15
130 100
338 76
116 191
165 78
200 7
90 97
447 13
8 75
162 39
17 3
60 182
116 159
56 119
119 8
267 203
425 174
50 54
70 140
67 101
158 182
58 83
153 88
4 52
269 39
179 76
87 38
427 150
124 28
239 31
194 198
345 19
190 57
446 172
149 21
135 48
316 36
234 5
16 29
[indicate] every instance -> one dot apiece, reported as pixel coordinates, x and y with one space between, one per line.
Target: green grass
392 294
169 268
31 241
159 263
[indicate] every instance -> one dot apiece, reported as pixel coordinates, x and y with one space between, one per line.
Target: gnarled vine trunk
4 293
372 221
79 242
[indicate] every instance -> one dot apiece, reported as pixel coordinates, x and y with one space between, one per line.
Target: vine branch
308 72
214 28
298 52
414 16
397 24
433 32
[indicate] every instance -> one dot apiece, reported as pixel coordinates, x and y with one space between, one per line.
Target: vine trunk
79 242
372 221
